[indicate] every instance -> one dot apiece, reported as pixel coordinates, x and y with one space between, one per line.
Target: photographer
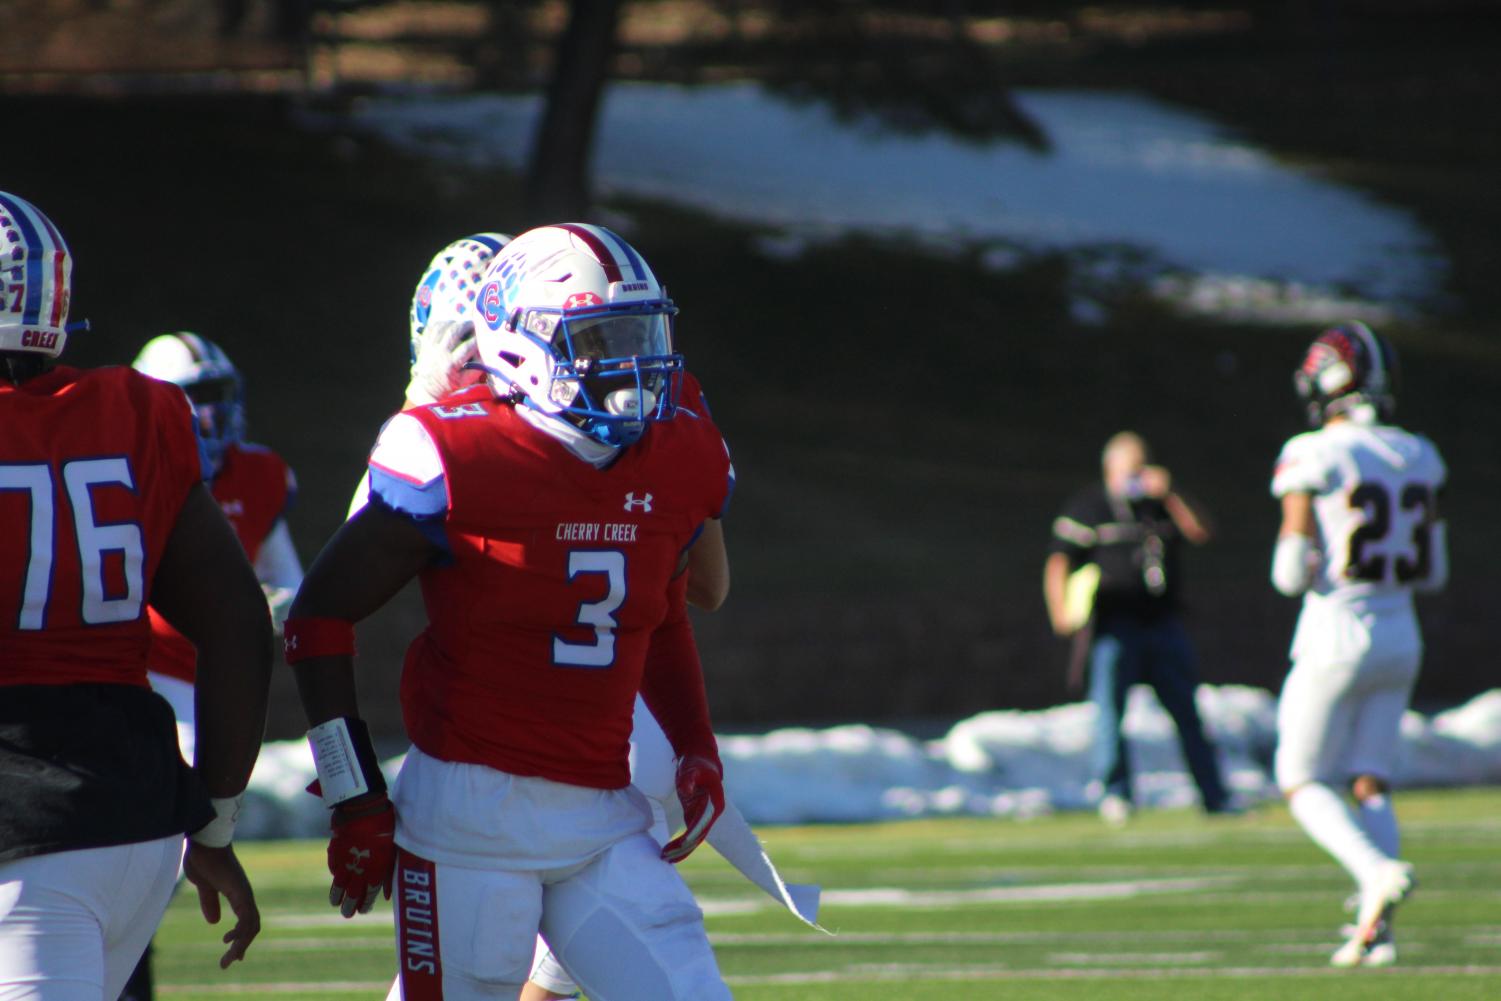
1129 528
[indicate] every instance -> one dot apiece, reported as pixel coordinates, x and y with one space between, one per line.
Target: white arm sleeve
1292 570
1438 559
277 564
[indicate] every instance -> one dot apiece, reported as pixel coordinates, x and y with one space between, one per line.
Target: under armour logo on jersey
632 502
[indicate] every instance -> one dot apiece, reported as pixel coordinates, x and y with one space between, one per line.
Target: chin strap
23 365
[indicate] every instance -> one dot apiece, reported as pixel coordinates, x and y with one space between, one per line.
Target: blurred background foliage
905 423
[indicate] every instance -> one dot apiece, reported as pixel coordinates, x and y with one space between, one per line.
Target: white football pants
624 924
74 924
654 772
1339 720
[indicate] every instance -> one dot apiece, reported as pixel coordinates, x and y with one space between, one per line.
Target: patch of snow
1226 227
1004 764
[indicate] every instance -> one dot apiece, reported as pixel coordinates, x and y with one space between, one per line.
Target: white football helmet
210 380
573 322
36 281
451 281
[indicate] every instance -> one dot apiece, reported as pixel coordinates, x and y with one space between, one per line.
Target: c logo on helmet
490 305
424 307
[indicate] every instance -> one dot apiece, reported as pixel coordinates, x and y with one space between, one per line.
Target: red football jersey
252 488
94 468
538 628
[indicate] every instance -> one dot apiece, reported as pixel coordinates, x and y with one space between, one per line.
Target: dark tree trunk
558 175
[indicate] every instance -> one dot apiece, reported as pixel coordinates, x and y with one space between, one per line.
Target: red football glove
701 791
361 854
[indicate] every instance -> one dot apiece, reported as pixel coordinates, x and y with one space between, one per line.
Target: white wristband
342 774
220 831
1292 567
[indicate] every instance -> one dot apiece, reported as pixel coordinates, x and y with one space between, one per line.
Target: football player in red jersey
101 494
548 514
444 361
253 487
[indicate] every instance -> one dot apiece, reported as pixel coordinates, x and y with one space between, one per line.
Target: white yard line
1117 890
293 988
329 918
898 972
784 939
1087 959
1267 939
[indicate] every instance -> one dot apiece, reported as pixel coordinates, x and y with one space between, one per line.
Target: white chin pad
630 402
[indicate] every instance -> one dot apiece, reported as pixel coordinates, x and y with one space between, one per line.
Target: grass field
1176 906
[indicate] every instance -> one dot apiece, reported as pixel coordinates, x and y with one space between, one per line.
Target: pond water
1165 193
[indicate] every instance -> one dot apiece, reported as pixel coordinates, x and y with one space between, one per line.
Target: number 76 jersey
94 468
1375 495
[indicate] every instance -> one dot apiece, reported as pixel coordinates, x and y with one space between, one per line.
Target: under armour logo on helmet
632 502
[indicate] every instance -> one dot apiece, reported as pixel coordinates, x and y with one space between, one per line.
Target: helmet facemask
1346 368
219 409
613 370
208 379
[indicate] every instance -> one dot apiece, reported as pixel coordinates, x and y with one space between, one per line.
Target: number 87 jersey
1375 494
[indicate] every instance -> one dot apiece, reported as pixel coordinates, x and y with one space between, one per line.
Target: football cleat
573 323
210 380
1392 883
1345 367
1115 810
36 281
1380 951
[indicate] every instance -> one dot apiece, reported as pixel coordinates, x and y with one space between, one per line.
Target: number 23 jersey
1375 491
539 621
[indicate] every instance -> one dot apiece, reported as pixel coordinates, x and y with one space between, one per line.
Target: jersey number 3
95 542
598 615
1376 501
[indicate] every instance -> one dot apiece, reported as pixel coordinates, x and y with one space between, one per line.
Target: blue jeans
1128 651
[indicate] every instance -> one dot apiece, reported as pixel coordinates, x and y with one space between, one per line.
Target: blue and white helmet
36 280
452 279
211 382
572 320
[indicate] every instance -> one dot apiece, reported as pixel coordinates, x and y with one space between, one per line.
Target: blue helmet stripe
21 212
488 241
628 252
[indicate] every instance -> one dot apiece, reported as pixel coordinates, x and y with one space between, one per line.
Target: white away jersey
1375 491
